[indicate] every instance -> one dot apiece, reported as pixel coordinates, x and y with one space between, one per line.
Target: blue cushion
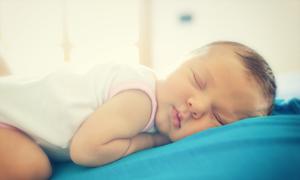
254 148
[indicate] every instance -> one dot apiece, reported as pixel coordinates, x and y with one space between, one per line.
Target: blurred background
40 35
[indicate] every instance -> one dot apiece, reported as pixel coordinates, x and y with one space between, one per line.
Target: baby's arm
113 131
146 140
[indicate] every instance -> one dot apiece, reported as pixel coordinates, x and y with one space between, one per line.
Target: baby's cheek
183 96
204 124
182 91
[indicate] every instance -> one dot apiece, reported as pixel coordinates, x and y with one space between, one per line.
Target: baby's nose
197 109
188 115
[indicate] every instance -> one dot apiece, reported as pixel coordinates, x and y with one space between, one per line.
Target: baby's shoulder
130 109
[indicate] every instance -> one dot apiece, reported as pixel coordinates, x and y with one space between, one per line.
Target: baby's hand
160 139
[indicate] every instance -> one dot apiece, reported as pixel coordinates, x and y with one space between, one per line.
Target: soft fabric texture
258 148
51 107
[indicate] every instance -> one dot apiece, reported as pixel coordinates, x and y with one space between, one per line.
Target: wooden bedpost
144 43
4 70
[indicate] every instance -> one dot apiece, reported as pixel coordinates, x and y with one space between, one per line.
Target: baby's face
209 90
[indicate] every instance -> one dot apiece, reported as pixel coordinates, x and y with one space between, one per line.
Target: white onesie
50 108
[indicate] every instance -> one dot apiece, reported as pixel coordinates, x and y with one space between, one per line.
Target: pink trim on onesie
6 126
144 88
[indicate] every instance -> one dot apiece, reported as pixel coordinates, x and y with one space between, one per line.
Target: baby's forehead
220 49
218 53
223 57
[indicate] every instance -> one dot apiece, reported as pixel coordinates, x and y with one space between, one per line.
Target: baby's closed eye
200 82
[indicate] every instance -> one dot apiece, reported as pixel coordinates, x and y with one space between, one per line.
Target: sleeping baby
100 115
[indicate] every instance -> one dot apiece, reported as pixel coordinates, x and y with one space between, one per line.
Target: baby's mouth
175 118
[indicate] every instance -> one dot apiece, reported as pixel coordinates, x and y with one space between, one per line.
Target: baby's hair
258 67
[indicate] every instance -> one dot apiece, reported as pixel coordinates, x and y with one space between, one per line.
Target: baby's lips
176 118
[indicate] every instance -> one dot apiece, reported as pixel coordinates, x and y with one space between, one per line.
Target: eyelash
218 119
198 81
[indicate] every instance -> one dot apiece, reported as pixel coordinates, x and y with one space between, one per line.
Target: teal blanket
258 148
